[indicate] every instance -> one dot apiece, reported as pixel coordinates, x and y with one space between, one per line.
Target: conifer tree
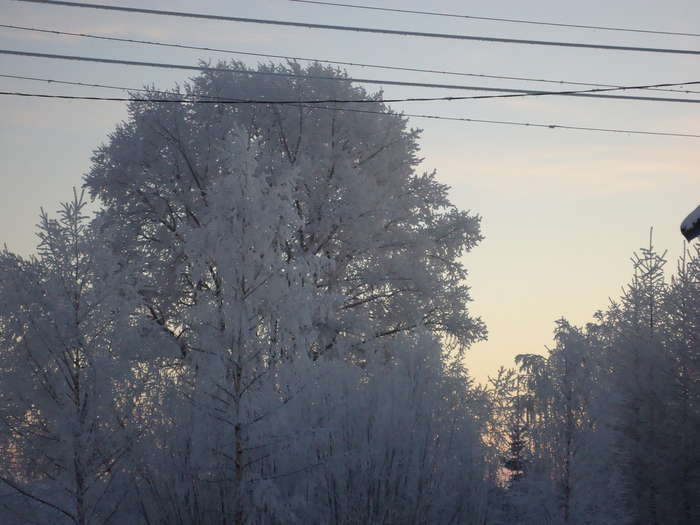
62 418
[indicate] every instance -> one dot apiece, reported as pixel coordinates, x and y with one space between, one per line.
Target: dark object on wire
690 227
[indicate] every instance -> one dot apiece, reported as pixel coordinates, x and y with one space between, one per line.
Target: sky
562 211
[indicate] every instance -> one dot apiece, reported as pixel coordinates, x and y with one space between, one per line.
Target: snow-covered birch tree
384 240
265 246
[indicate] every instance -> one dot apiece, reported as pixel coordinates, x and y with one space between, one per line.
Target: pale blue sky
562 210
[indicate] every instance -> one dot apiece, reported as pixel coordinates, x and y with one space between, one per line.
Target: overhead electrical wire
186 100
212 100
395 32
496 19
287 57
591 93
322 101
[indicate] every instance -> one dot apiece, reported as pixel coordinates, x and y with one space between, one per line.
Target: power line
195 99
535 125
212 99
357 29
323 101
494 19
355 110
104 86
192 100
592 93
286 57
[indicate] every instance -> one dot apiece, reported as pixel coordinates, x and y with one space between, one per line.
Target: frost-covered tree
241 316
295 288
381 242
640 371
683 338
62 405
614 424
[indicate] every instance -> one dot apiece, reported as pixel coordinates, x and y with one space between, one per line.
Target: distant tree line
606 427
